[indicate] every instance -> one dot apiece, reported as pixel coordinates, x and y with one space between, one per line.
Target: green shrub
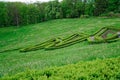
84 16
111 15
107 69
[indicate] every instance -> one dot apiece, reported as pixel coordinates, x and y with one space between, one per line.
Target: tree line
17 13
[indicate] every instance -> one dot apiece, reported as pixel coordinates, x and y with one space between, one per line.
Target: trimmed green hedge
107 69
67 42
97 37
56 43
41 45
104 29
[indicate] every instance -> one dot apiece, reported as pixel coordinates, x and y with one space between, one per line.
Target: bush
107 69
111 15
84 16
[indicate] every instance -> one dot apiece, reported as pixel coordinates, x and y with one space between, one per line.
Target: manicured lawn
12 62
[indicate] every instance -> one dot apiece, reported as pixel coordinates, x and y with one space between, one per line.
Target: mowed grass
13 62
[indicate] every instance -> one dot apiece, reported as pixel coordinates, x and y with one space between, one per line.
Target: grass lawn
13 62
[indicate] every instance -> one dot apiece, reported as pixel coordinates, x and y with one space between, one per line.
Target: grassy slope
13 61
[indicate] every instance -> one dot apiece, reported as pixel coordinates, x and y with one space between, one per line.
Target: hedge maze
105 34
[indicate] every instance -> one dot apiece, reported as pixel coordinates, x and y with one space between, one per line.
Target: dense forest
17 13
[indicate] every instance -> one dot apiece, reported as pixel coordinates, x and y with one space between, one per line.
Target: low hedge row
56 43
65 44
41 45
102 30
97 37
107 69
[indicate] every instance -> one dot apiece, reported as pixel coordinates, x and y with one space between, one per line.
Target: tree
114 5
69 8
17 13
14 13
3 14
41 7
53 10
100 7
89 9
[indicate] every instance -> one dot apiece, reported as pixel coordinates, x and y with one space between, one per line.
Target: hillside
13 62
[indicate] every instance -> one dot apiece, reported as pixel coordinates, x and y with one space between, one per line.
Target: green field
13 62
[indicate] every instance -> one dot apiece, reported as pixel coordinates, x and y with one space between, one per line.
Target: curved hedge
107 69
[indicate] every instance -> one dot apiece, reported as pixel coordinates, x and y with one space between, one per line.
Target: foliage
53 10
17 13
100 7
3 14
111 15
84 16
114 6
107 69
